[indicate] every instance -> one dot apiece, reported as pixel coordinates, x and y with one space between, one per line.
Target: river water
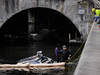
12 51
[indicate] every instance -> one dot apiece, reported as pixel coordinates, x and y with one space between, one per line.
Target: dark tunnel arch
48 24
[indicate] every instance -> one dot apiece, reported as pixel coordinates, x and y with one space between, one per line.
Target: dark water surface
11 52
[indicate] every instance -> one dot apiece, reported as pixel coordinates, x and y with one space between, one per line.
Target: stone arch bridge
69 8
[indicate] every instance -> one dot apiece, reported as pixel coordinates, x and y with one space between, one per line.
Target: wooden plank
32 66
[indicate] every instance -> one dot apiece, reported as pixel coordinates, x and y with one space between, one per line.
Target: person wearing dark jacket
65 54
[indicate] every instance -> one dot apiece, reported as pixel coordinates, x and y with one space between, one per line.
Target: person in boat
65 54
39 54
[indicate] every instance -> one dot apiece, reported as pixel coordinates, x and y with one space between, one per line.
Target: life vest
97 12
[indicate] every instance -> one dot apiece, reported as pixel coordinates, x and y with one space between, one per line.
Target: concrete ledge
89 63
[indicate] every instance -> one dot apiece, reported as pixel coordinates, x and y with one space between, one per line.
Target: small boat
37 63
37 59
40 61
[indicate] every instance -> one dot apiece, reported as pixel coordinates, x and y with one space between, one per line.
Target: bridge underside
39 24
